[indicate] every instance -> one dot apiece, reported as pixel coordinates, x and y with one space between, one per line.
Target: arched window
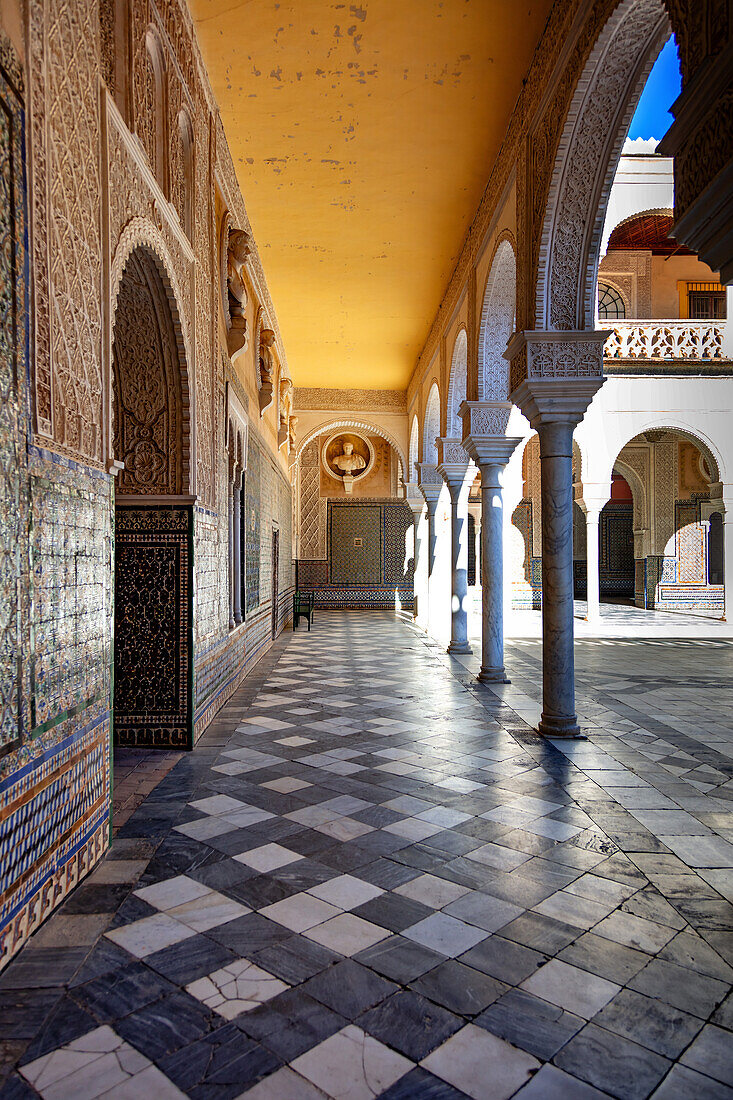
610 304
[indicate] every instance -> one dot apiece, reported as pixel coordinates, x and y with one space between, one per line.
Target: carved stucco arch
498 312
605 97
360 425
639 497
414 448
457 383
431 425
141 235
690 432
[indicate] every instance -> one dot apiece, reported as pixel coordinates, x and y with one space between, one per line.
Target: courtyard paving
372 878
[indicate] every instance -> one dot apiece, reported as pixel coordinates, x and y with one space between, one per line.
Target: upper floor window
706 301
610 304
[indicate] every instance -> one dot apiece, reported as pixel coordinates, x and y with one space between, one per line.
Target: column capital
491 450
429 481
567 355
454 475
451 452
482 418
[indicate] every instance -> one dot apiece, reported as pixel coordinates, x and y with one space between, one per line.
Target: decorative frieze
352 400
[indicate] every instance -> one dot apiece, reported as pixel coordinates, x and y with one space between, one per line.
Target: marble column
593 580
728 559
554 406
237 553
454 475
416 507
230 505
491 456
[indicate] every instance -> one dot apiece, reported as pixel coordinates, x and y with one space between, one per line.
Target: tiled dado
54 826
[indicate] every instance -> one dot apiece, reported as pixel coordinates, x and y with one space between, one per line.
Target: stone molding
487 451
555 400
317 398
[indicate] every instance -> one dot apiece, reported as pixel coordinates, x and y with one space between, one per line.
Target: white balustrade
702 340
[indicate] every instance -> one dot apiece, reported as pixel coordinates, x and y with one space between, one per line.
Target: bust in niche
348 457
348 462
237 252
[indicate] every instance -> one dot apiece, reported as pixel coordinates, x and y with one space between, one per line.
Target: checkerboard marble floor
372 879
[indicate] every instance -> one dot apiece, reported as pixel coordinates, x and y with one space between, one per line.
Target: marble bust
348 462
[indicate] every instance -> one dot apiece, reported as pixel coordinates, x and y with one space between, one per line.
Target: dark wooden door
275 577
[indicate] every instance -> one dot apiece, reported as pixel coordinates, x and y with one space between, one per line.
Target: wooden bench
303 604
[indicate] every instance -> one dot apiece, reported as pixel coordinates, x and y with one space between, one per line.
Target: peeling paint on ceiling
363 136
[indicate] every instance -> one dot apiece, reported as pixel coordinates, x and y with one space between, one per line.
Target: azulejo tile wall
252 529
369 576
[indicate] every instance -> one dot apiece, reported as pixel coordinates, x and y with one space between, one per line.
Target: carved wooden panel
153 647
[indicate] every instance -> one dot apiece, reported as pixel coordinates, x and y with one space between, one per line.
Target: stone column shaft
491 456
455 480
563 371
237 552
593 589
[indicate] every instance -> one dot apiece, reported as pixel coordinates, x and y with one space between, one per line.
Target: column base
459 647
493 676
556 725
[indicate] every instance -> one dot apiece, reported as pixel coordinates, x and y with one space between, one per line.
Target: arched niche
497 324
457 384
153 546
431 426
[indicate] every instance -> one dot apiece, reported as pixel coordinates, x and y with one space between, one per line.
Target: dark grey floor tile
349 988
690 950
39 967
459 988
221 1065
295 959
97 897
165 1026
503 959
418 1084
400 959
682 1083
393 911
190 959
112 996
526 1021
613 961
654 1024
386 873
411 1024
541 933
66 1022
615 1065
23 1011
680 987
248 934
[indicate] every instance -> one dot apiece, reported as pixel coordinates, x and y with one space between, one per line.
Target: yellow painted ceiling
363 136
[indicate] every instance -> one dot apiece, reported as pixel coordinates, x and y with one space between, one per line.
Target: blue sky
652 118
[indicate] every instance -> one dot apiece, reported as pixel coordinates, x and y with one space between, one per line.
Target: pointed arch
414 451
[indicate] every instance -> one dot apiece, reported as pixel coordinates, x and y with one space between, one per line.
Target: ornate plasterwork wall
497 324
350 400
457 383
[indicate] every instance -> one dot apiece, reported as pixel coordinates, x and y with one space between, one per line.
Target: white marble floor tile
481 1065
346 891
433 891
150 934
347 934
299 912
236 988
172 891
268 857
352 1065
568 987
444 933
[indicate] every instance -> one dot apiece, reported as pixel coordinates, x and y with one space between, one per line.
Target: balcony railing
666 340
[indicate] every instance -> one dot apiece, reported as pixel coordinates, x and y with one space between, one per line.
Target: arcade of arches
306 315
